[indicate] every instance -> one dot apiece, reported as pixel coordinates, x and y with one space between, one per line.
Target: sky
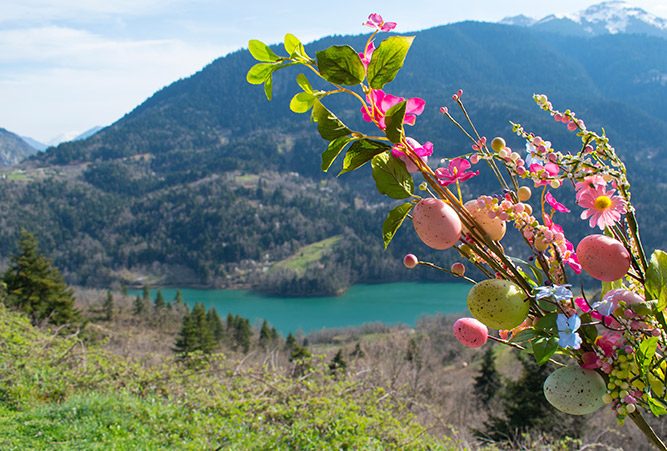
69 65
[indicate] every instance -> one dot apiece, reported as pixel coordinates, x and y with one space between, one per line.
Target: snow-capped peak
609 17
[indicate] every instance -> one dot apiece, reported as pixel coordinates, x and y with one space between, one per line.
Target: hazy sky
69 65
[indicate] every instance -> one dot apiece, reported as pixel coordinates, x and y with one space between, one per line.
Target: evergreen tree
290 342
215 324
187 340
195 333
159 300
487 382
300 356
358 353
338 363
525 409
146 293
108 306
179 297
274 334
36 287
242 334
264 334
138 306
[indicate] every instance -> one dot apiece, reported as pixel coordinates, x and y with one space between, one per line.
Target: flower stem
648 431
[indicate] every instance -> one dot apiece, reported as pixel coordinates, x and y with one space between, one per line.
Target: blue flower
567 331
559 293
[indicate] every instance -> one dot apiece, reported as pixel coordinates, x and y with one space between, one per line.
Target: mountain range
207 183
13 148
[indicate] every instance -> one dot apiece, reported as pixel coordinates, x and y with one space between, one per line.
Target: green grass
18 176
307 255
56 393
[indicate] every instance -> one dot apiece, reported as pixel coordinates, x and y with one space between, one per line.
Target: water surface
393 303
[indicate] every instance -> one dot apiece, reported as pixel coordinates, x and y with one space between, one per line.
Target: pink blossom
590 360
380 102
457 170
608 342
376 21
583 305
602 207
571 259
551 200
592 181
423 152
368 53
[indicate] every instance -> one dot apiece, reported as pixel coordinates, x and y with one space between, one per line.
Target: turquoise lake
394 303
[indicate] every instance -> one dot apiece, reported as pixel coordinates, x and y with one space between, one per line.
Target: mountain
88 133
13 148
611 17
34 143
207 183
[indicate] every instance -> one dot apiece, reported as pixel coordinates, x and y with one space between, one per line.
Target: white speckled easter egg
603 257
470 332
499 304
436 223
574 390
494 227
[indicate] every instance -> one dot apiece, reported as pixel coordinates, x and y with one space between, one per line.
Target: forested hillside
208 184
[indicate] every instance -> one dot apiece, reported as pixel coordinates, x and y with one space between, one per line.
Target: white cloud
84 79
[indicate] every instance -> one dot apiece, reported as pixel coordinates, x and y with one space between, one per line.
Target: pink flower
551 200
376 21
571 258
368 53
583 305
456 171
603 208
608 342
592 181
423 152
544 172
590 360
380 102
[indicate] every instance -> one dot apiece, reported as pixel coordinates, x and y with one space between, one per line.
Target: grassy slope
307 255
57 393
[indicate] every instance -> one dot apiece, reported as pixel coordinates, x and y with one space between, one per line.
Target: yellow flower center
602 202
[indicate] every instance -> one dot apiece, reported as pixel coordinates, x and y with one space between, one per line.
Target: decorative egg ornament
499 304
574 390
494 227
436 223
470 332
603 257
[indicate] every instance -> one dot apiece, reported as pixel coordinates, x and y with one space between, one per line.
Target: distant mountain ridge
610 17
13 148
208 183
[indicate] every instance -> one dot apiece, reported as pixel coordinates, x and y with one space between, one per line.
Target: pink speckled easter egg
603 257
470 332
436 223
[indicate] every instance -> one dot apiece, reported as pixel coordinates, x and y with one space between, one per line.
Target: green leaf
329 126
260 72
523 336
658 408
261 51
360 153
293 46
548 323
268 87
544 348
394 121
303 82
391 176
646 352
302 102
656 279
387 60
538 274
340 64
393 222
333 150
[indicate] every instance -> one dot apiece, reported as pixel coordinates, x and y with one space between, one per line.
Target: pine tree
487 382
159 300
179 297
138 306
338 363
358 353
215 325
187 340
36 287
108 306
264 334
290 342
525 409
195 334
146 293
243 333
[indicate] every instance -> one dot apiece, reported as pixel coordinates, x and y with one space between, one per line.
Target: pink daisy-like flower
551 200
603 208
380 102
591 182
376 21
457 170
422 151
